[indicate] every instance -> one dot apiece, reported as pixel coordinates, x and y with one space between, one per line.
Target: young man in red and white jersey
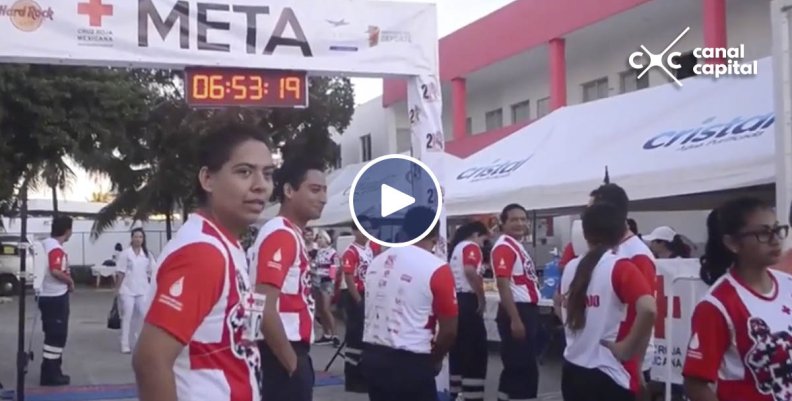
467 361
636 250
53 302
280 262
410 293
355 262
196 343
518 313
596 289
741 337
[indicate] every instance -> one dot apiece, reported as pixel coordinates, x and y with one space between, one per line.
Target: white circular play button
385 190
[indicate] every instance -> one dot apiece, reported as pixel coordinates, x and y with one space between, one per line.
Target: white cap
663 233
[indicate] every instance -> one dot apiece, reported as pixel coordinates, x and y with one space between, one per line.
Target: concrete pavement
92 355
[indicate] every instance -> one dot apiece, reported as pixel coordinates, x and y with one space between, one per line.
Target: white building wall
372 119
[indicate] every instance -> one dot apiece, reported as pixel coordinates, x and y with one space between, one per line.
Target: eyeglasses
767 235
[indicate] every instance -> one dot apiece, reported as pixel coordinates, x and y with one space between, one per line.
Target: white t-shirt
466 253
407 289
57 259
616 283
136 269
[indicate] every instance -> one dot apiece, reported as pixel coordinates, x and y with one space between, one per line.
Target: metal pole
22 356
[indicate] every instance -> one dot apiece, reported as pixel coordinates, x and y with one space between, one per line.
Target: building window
597 89
493 120
365 148
628 81
337 156
521 112
469 125
542 107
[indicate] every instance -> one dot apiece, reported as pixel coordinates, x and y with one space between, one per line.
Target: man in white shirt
410 293
53 301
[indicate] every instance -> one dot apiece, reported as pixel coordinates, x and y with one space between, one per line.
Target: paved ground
92 354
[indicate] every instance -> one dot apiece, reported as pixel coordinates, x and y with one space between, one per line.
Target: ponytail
464 232
717 258
576 297
728 219
679 249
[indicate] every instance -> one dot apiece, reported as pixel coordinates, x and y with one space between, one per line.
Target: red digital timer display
224 87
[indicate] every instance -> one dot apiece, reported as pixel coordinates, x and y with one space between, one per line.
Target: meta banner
344 36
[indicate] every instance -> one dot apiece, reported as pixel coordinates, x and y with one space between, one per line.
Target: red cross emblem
251 301
95 10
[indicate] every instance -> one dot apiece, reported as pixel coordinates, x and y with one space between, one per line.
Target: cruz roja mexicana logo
666 59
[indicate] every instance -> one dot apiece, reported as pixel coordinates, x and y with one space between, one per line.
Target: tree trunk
168 223
54 200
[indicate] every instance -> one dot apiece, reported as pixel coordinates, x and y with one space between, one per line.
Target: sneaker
336 342
126 350
325 339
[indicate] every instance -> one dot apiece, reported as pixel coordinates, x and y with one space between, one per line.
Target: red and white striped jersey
634 249
466 253
56 260
511 260
616 283
199 297
742 340
279 258
407 289
355 261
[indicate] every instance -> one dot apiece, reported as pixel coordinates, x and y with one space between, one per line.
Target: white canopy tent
339 183
662 142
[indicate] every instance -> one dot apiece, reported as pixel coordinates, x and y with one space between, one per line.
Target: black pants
276 385
519 379
354 380
55 323
468 358
398 375
584 384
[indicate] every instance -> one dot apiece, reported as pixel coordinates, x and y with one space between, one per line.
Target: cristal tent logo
667 60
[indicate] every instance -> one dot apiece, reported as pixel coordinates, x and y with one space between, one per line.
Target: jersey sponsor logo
275 263
770 359
174 292
177 288
693 347
592 301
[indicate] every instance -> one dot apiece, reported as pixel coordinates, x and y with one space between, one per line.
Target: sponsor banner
425 103
346 36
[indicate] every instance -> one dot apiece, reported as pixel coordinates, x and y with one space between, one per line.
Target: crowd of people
222 322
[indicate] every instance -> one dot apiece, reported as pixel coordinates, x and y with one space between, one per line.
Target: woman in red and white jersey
741 336
518 313
597 289
195 344
467 361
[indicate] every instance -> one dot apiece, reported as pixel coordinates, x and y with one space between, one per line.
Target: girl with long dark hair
468 358
596 291
133 271
742 328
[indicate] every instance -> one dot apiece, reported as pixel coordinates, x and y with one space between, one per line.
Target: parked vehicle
10 262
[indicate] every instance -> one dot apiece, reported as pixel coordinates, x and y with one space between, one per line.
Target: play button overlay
392 200
395 200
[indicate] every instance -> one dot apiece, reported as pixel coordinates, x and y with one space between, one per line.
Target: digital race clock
229 87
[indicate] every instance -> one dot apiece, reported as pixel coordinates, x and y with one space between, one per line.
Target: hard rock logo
26 15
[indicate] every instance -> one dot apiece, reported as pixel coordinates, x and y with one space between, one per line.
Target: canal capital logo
667 60
26 15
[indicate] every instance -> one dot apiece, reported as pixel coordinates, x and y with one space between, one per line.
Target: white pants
132 314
